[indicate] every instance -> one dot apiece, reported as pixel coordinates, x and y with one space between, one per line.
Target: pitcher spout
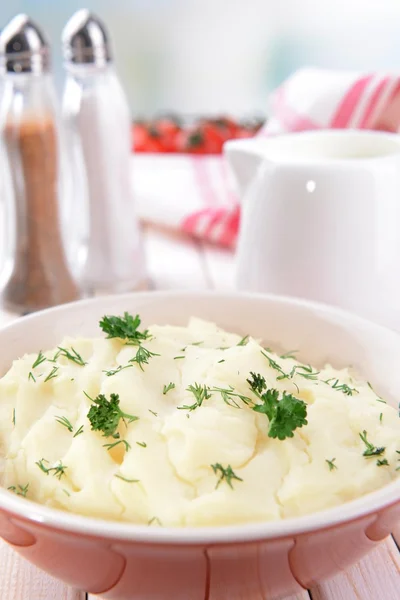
244 158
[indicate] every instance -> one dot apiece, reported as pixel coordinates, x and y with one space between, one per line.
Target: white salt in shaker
97 112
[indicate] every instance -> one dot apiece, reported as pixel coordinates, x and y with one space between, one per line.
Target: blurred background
211 56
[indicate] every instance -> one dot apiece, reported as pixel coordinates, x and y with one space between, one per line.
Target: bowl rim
57 519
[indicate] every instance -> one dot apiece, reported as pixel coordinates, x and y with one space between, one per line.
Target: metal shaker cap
23 47
85 39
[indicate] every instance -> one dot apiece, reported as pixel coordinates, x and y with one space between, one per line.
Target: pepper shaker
38 274
96 111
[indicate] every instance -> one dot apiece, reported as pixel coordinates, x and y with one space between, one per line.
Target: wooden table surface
174 261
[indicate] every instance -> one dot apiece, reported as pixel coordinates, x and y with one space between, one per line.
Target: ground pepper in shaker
39 275
97 113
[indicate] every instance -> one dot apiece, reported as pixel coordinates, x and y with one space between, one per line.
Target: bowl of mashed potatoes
182 444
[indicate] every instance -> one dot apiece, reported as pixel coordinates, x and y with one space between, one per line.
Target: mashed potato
194 446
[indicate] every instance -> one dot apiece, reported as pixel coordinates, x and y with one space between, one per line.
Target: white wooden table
174 261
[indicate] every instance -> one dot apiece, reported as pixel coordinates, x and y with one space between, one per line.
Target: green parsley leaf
244 341
39 359
168 387
104 415
58 470
228 396
124 442
370 450
378 399
305 371
341 387
142 357
117 370
52 374
124 328
285 414
40 464
143 444
331 464
64 421
72 356
78 431
19 490
127 480
257 383
274 365
200 392
178 357
382 462
290 354
31 376
225 474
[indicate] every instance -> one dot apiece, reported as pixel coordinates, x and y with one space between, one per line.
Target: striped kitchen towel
196 193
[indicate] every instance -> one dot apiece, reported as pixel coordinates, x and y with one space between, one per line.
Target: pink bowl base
129 570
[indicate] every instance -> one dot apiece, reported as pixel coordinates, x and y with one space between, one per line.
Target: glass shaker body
37 274
97 113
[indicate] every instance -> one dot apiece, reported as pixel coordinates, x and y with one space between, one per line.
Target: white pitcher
321 218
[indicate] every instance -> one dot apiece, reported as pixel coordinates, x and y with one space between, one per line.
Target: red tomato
147 138
213 136
244 133
192 141
227 126
168 130
139 135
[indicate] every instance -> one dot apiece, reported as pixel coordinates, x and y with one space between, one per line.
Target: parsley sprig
19 489
68 425
142 357
274 365
168 387
229 396
65 422
124 442
378 398
285 414
331 464
104 415
200 392
71 355
39 359
78 431
225 474
58 470
117 370
126 479
341 387
124 328
305 371
53 373
290 354
370 449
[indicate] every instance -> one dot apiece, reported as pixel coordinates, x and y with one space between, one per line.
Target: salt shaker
37 274
96 110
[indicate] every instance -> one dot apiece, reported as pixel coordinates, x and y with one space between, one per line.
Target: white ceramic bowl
122 561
